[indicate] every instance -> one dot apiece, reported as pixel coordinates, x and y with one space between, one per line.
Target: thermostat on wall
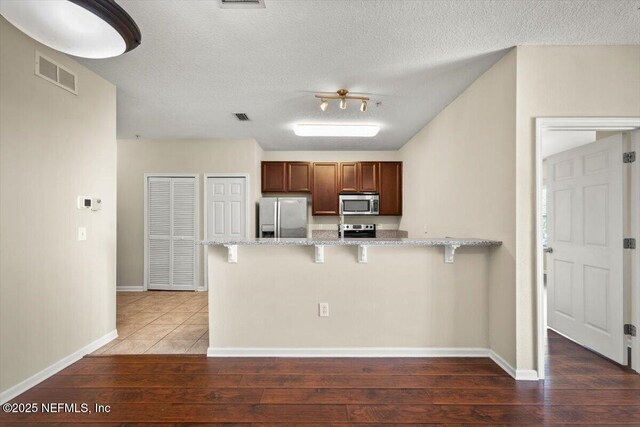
89 203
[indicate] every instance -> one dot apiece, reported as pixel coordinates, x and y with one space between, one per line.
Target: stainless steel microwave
359 204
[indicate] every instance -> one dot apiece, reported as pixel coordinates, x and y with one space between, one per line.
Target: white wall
57 295
137 157
459 181
403 297
560 81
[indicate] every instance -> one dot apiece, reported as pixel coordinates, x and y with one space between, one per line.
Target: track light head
363 106
343 103
324 104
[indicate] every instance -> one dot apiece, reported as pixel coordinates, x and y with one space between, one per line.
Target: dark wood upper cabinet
368 176
299 176
281 177
274 177
326 180
349 177
390 188
325 189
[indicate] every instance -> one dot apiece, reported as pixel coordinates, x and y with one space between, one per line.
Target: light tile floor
160 322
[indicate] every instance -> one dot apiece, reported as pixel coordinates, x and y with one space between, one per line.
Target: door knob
548 250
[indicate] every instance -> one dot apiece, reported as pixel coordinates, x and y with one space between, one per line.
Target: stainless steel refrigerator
282 217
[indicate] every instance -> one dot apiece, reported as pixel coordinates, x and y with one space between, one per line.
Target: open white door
585 231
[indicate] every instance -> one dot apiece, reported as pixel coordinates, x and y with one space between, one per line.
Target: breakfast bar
348 297
450 245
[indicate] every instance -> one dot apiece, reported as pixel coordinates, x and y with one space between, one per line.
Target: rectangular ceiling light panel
362 131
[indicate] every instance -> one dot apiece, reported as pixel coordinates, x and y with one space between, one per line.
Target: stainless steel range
357 230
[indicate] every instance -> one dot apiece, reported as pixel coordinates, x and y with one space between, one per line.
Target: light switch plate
82 233
323 309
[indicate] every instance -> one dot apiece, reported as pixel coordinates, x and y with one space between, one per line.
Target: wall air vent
56 74
242 117
237 4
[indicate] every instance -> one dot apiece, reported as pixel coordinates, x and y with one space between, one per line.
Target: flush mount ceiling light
342 95
339 130
84 28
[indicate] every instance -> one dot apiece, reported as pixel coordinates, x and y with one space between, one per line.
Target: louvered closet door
159 231
171 210
184 233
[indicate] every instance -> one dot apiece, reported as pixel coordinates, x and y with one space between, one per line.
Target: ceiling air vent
56 74
249 4
242 117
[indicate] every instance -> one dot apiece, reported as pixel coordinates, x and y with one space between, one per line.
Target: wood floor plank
592 397
350 396
376 367
509 414
593 382
117 368
592 414
581 388
141 380
198 413
144 395
379 381
482 366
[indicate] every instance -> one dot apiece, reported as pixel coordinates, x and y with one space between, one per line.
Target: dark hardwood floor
581 388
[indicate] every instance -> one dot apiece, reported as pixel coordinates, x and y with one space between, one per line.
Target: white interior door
171 233
227 209
585 230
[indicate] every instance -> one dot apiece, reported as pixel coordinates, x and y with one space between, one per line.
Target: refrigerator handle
276 222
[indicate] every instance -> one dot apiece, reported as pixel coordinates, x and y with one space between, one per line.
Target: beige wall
459 181
331 222
404 297
471 169
562 81
137 157
57 295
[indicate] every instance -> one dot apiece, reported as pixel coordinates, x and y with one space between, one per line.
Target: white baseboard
130 288
526 375
348 352
518 374
37 378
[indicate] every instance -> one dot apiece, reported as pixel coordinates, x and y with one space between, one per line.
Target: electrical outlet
424 229
82 233
323 309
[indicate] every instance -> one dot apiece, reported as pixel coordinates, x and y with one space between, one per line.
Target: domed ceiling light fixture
84 28
343 96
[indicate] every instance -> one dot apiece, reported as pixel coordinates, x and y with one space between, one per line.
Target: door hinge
629 243
630 329
629 157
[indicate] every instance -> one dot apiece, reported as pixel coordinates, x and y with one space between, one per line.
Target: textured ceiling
198 63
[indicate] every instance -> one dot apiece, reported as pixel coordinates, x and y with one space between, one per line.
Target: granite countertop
445 241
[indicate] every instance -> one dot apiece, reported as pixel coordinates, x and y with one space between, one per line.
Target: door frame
205 217
574 123
145 285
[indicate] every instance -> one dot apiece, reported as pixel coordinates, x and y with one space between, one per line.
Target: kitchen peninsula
385 297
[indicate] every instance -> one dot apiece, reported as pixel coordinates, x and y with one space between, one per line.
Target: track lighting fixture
343 96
